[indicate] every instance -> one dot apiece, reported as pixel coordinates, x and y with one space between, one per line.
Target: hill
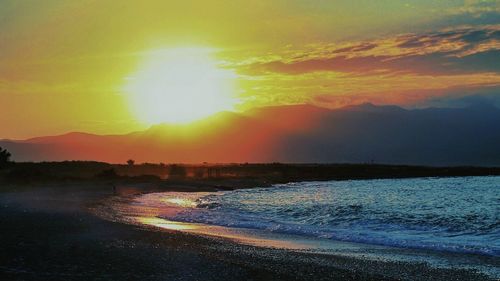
300 134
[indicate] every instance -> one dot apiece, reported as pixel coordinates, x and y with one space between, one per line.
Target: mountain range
363 133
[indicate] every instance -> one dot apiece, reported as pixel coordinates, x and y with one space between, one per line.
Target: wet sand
51 233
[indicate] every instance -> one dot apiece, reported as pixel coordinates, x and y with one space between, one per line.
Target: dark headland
234 175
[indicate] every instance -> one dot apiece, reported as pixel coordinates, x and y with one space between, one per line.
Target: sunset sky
96 66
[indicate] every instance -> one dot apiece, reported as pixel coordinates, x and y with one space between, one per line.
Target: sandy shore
48 233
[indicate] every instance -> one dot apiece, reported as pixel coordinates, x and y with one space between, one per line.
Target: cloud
407 69
477 8
453 51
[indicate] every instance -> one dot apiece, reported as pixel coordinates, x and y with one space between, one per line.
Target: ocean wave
410 213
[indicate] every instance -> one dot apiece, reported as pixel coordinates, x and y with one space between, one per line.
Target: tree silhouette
130 162
177 171
199 172
4 157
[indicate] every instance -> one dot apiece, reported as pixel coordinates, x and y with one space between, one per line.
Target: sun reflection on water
149 210
182 202
166 224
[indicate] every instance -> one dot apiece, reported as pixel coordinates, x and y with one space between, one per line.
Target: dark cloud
462 51
428 64
477 36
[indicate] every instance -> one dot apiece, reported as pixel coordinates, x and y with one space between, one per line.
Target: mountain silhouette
297 133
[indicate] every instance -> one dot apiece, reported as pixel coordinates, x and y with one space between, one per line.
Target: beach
250 140
50 232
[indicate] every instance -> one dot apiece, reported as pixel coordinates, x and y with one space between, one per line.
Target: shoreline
362 252
154 219
53 222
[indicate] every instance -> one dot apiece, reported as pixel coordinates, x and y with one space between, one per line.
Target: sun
180 86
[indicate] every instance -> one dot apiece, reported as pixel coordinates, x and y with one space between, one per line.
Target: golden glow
166 224
63 63
180 86
181 202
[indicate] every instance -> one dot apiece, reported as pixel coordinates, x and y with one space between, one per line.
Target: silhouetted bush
145 178
27 174
177 171
4 158
107 174
199 172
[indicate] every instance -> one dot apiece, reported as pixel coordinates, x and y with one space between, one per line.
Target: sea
451 222
459 214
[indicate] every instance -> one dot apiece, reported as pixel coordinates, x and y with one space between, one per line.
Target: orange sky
64 64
